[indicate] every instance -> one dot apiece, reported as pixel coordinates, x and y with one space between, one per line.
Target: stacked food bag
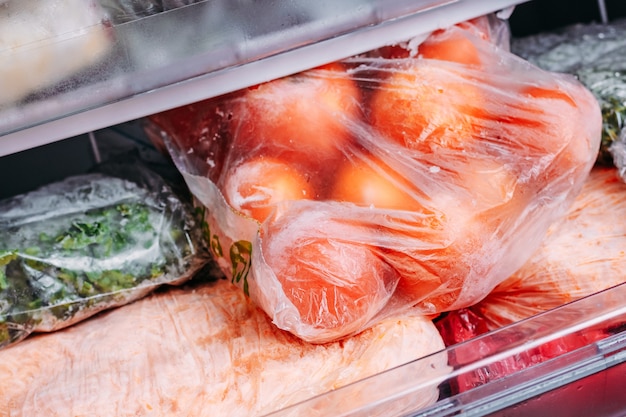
71 249
417 176
203 350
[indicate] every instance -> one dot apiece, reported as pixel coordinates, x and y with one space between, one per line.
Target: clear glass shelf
147 63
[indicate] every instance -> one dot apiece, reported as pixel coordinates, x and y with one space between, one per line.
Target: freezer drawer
146 71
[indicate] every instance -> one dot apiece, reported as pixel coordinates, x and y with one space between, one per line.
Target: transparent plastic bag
88 243
415 177
581 255
594 53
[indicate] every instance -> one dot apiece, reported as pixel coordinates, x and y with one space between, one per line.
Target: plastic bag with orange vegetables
406 177
582 254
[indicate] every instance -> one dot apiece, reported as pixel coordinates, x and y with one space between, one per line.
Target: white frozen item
202 351
44 41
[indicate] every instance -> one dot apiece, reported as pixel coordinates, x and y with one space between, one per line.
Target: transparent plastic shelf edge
395 392
161 86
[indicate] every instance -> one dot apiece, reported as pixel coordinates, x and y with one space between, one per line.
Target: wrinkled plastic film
581 255
91 242
595 54
403 177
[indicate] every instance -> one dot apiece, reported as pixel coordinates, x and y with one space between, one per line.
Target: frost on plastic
45 42
120 11
387 180
91 242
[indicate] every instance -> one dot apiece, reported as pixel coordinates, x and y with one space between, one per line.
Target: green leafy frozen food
91 242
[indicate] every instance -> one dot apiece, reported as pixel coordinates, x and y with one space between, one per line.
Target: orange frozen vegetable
368 182
303 114
570 152
436 251
428 255
453 46
336 285
426 105
256 186
540 131
332 283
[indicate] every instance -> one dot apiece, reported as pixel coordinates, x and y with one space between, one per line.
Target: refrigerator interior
55 133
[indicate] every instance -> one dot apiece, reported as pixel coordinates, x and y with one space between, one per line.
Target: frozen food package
595 53
43 42
582 254
91 242
405 177
201 350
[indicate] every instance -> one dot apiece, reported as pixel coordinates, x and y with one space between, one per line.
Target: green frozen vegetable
88 243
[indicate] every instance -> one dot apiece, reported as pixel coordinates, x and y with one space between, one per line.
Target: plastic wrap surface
420 174
595 54
91 242
581 255
199 351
